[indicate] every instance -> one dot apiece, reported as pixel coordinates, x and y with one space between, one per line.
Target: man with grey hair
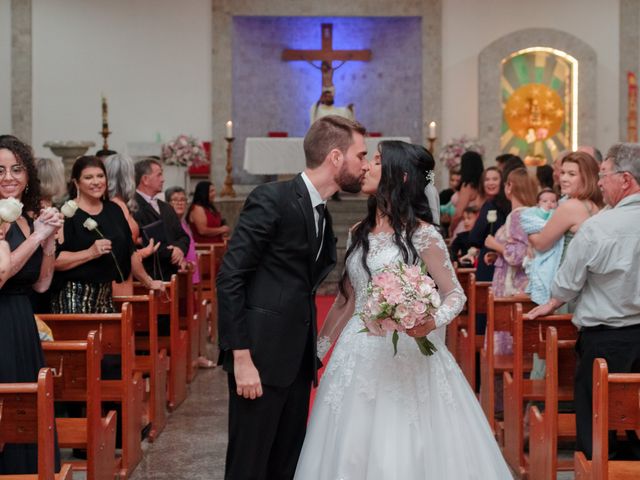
601 270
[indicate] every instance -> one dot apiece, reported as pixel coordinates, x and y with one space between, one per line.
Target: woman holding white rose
31 244
96 246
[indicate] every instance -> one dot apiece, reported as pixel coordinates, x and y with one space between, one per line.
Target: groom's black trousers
266 434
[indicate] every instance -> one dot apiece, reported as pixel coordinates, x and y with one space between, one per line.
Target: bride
378 416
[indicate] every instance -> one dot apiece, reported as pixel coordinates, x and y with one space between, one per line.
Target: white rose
90 224
10 210
492 216
69 208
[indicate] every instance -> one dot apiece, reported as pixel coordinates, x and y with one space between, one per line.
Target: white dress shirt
316 200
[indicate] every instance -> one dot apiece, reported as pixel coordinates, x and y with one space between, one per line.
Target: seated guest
53 186
460 245
27 249
205 221
95 246
158 221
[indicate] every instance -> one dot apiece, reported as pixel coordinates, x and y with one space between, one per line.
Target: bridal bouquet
400 297
184 150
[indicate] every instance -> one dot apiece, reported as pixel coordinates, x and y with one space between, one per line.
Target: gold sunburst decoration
534 112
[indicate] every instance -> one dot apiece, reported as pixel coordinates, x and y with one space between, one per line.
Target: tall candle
105 121
229 129
432 130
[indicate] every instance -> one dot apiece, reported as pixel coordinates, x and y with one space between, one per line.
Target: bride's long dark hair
400 197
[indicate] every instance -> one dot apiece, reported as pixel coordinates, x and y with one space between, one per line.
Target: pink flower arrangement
184 150
401 297
452 151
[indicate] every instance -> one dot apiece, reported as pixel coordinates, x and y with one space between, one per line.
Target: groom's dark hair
328 133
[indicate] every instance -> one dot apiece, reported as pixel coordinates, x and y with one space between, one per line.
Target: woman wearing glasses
32 247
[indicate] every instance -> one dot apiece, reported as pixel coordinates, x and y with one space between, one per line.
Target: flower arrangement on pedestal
452 151
186 150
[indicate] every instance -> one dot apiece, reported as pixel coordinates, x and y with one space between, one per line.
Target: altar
281 156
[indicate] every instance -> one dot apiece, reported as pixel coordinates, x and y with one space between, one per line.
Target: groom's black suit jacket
268 280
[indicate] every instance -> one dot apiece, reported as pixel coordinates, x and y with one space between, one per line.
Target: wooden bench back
26 417
77 372
616 406
482 296
529 335
114 329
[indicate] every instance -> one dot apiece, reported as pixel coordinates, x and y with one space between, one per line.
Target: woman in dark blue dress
32 246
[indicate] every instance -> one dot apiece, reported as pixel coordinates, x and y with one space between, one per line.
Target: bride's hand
423 330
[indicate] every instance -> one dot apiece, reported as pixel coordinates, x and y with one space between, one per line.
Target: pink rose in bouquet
401 297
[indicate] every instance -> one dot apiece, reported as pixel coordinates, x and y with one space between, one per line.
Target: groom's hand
248 383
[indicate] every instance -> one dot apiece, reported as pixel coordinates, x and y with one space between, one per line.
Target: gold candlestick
227 189
105 132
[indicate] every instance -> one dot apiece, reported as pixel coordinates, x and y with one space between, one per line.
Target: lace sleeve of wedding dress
339 314
435 255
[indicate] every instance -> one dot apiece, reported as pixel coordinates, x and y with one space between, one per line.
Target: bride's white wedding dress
380 417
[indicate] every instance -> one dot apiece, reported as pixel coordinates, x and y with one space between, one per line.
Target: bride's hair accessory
430 176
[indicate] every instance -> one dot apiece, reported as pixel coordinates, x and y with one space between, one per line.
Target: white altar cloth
280 156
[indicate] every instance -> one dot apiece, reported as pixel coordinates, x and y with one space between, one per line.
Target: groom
280 251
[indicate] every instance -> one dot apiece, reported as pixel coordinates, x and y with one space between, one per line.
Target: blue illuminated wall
270 94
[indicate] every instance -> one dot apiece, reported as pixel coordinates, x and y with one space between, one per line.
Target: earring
26 190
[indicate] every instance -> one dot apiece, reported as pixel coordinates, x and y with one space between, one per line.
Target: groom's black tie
320 209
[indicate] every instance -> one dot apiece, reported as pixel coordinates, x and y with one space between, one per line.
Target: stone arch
489 62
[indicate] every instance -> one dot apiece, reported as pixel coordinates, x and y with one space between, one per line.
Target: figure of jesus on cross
327 55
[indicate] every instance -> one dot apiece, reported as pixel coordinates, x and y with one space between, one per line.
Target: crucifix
327 55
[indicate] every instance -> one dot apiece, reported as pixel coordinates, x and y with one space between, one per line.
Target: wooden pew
461 331
500 317
188 319
616 406
154 361
116 332
26 416
528 338
76 367
175 344
210 259
550 426
204 313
